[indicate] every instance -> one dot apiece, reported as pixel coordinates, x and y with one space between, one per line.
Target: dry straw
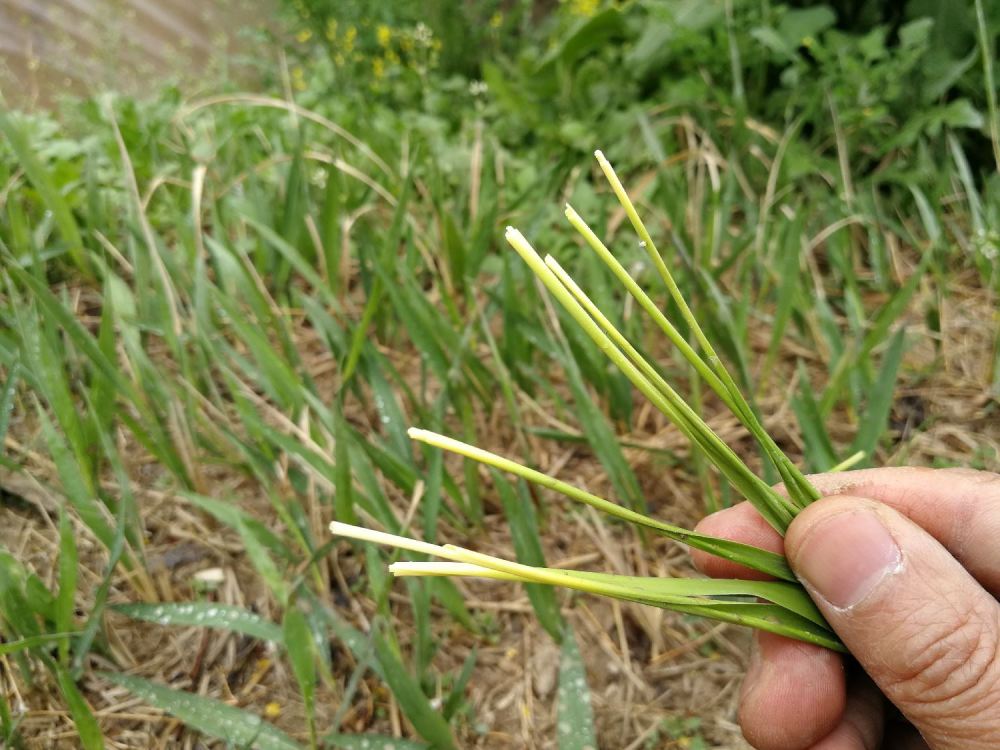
780 606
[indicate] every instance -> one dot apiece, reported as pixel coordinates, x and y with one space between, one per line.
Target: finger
925 631
862 725
741 523
958 507
793 694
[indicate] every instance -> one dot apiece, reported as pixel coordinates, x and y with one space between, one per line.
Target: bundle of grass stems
780 605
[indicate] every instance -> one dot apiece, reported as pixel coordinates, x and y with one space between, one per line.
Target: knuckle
954 663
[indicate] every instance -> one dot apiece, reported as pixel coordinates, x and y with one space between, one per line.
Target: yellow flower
383 34
304 36
584 8
496 20
378 68
272 710
392 58
331 29
350 35
298 78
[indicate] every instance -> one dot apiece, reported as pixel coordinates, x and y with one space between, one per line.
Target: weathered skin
905 564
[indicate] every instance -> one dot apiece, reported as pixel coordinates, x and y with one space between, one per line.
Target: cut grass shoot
791 614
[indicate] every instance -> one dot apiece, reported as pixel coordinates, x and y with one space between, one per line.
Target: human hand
905 565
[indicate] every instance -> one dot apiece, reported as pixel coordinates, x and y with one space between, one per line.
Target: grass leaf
575 718
204 615
211 717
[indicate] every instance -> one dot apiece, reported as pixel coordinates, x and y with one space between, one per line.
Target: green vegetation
219 317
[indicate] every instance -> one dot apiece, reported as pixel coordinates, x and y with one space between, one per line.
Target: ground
657 679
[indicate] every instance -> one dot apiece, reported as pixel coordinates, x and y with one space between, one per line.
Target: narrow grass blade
7 394
373 742
87 728
771 617
879 405
753 557
298 643
800 490
211 717
520 514
204 615
426 720
65 598
575 717
26 644
789 596
819 450
457 694
253 536
774 508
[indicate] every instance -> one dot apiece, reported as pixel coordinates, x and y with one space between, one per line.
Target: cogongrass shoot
780 606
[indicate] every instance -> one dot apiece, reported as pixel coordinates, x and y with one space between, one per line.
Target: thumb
922 627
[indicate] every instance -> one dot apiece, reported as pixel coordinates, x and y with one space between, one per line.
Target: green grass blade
758 559
211 717
254 537
521 518
800 490
819 450
426 720
65 598
880 398
26 644
774 508
7 394
575 717
301 655
373 742
88 731
204 615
